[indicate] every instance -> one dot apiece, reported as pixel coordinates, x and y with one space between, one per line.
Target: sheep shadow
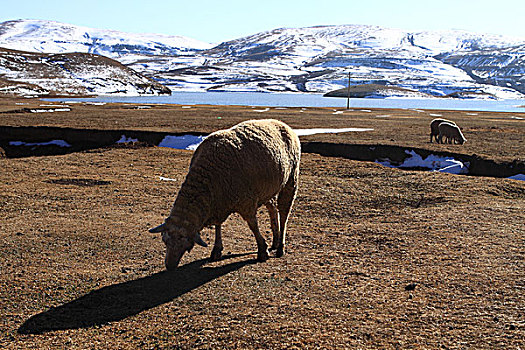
119 301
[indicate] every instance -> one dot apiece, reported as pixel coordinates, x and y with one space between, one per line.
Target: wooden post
348 94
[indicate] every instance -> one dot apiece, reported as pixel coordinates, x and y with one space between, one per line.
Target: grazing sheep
237 170
434 131
451 132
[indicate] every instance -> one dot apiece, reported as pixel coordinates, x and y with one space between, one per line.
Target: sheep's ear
199 240
158 229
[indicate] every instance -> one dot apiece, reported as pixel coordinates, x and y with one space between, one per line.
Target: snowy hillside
319 41
504 67
317 59
314 59
55 37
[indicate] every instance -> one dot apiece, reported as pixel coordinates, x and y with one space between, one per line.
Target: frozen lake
311 100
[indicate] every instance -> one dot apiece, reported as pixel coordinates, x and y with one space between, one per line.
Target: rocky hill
38 74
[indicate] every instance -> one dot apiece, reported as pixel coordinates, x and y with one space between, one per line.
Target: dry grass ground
377 257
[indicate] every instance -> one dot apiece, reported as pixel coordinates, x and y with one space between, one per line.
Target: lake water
311 100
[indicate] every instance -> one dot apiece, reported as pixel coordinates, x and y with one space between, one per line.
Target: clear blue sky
216 21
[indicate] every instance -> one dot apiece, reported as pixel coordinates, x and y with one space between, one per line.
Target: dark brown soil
376 257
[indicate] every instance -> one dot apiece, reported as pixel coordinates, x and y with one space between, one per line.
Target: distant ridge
313 59
55 37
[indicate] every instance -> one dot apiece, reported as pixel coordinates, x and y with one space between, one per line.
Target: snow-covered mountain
313 59
317 59
55 37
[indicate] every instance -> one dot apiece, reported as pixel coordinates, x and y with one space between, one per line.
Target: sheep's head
177 240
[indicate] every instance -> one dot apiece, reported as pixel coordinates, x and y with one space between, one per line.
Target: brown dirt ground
376 257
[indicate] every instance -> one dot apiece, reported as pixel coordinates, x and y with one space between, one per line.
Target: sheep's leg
216 253
262 247
431 137
284 204
274 221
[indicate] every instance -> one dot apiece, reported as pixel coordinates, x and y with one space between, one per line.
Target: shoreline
309 100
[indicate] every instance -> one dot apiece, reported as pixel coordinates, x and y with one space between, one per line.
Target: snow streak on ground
432 162
60 143
191 142
305 132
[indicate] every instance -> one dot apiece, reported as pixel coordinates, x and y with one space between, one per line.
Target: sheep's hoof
216 255
262 256
279 253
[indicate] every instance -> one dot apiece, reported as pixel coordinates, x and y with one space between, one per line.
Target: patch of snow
520 177
124 139
435 115
50 110
432 162
188 142
306 132
162 178
261 110
60 143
